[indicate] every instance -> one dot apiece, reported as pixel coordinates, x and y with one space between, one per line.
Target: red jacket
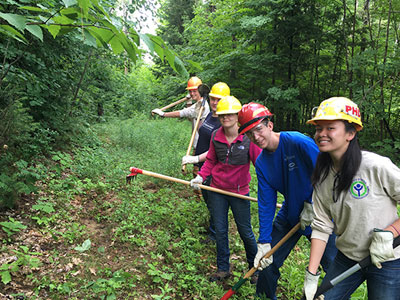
229 165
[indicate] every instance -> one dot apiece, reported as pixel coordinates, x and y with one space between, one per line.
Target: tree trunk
382 82
345 39
82 75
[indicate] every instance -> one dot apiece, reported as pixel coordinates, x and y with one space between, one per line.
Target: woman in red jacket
228 162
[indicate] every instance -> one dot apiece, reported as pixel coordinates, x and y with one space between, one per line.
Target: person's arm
312 274
322 224
266 212
183 113
267 198
317 251
203 156
194 159
389 175
394 228
381 248
322 227
172 114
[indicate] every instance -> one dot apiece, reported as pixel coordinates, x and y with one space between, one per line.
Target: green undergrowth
86 234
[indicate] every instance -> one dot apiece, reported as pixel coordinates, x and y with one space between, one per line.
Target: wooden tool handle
175 103
193 135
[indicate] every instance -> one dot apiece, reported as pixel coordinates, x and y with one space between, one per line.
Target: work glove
158 112
190 159
262 249
194 183
381 248
307 215
311 285
188 96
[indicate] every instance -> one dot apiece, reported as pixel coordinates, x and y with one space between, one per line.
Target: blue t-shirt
288 171
206 129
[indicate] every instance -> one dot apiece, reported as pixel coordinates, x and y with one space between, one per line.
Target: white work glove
307 215
188 96
158 112
190 159
262 249
311 285
194 183
381 248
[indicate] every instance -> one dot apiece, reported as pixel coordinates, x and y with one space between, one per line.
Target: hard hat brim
251 124
326 118
228 111
216 95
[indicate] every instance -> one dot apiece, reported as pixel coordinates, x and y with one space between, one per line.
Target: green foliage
95 26
58 76
84 247
309 50
388 148
107 288
23 258
12 226
45 213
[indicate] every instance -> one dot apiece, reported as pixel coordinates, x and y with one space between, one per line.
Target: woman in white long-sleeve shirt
355 195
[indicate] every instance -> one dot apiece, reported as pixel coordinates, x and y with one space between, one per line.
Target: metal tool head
204 90
132 175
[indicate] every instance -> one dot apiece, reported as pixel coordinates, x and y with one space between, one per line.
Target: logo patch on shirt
291 164
359 188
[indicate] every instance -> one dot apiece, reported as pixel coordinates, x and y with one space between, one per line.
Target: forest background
75 90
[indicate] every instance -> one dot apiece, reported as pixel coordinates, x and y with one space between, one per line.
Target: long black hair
349 164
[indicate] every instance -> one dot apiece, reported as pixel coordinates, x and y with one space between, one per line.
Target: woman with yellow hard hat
211 123
355 196
228 162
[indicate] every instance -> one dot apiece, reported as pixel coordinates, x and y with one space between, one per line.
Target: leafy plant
158 275
84 247
164 293
45 215
107 288
12 226
23 258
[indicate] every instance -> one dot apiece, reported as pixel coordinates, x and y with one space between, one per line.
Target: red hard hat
251 115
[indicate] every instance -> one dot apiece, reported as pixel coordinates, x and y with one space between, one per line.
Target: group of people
344 198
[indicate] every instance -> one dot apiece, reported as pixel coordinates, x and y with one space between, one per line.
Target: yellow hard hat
193 83
337 108
228 105
220 90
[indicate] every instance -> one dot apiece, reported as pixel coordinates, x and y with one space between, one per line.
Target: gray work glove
158 112
190 159
381 248
311 285
307 215
194 183
262 249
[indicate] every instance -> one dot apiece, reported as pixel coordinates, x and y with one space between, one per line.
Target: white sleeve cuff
320 235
